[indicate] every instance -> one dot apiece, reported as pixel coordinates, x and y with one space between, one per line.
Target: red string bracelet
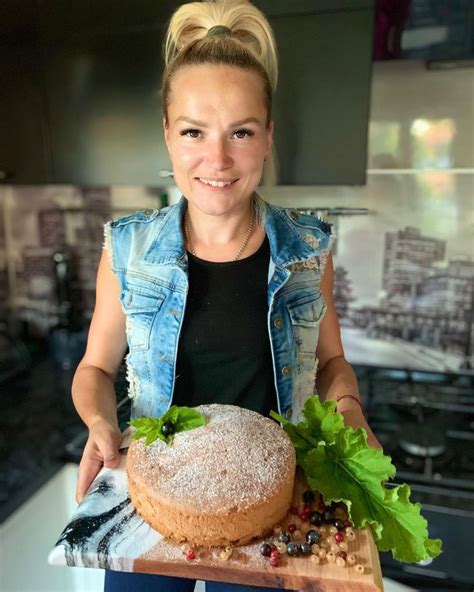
350 397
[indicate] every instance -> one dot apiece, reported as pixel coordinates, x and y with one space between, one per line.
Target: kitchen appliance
425 422
67 340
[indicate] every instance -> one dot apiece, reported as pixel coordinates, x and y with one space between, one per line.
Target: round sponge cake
224 483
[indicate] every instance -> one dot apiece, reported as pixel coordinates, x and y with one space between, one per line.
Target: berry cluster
323 534
191 554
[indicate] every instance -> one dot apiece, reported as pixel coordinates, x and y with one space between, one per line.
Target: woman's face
216 132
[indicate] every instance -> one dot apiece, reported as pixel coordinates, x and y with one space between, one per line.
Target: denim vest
148 256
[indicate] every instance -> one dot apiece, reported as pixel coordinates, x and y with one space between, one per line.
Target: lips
218 183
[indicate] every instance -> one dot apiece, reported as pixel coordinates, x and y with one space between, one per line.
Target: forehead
209 89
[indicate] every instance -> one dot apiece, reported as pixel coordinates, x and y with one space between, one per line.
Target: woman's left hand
354 417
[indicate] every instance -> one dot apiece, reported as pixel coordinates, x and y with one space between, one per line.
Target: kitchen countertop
37 419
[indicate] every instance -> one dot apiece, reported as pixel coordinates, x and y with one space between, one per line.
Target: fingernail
110 457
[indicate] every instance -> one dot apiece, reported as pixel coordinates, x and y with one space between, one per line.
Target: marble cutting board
106 532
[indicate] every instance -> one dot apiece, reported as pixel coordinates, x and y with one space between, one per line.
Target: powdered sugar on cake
244 456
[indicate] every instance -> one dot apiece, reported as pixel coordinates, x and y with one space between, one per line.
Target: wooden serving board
106 532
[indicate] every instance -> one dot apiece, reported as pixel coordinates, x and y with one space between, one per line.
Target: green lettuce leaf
183 419
339 463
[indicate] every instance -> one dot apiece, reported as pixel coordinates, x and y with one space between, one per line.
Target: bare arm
335 376
93 384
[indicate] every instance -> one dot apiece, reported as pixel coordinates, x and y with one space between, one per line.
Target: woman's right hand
101 449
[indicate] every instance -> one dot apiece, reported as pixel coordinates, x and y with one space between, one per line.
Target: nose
218 154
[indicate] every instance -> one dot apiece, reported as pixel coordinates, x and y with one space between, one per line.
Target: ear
269 133
166 133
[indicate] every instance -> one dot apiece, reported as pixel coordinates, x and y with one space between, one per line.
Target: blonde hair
249 44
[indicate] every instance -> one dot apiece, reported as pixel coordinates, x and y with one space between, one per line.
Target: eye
243 133
191 133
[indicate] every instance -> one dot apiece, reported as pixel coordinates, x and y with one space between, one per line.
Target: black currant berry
265 550
293 549
308 497
328 516
316 518
313 537
167 429
284 537
305 548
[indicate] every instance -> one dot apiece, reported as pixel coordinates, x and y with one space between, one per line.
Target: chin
215 204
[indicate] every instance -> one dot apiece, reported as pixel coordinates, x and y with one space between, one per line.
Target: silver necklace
242 246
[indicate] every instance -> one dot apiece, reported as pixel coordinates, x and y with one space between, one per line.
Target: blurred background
374 121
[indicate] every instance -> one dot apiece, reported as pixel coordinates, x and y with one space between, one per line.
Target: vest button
148 212
294 214
278 322
286 370
289 413
275 277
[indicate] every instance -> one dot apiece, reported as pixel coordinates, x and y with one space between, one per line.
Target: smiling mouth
215 182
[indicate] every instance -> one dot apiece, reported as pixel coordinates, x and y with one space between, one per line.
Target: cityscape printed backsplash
405 295
403 280
50 244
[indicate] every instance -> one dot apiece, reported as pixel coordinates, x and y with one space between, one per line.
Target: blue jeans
118 581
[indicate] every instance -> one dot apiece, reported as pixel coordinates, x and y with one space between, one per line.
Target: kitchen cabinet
105 109
24 147
94 113
322 100
285 7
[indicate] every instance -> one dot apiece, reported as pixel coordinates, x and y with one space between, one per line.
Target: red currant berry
305 515
347 523
307 508
274 561
321 505
292 528
190 554
275 554
294 511
343 554
339 537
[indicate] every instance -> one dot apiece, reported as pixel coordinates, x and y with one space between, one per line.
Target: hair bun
219 31
248 25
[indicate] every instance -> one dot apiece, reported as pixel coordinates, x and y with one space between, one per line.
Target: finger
88 470
108 446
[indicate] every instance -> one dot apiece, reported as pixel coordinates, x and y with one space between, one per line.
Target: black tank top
224 353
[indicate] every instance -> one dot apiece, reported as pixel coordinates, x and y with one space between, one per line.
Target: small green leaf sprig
182 419
340 464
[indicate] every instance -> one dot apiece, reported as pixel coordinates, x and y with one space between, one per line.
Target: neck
207 231
228 240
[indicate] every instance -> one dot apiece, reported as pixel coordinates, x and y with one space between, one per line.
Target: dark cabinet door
24 149
105 109
102 64
322 101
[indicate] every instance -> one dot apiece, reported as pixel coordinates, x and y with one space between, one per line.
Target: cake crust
224 483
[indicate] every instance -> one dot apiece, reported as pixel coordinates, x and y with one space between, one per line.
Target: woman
220 298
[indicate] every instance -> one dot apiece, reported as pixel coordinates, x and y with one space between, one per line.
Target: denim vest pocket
141 309
306 314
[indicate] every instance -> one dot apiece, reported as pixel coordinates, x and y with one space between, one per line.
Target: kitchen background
404 271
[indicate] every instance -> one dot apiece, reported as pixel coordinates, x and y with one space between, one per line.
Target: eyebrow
233 124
